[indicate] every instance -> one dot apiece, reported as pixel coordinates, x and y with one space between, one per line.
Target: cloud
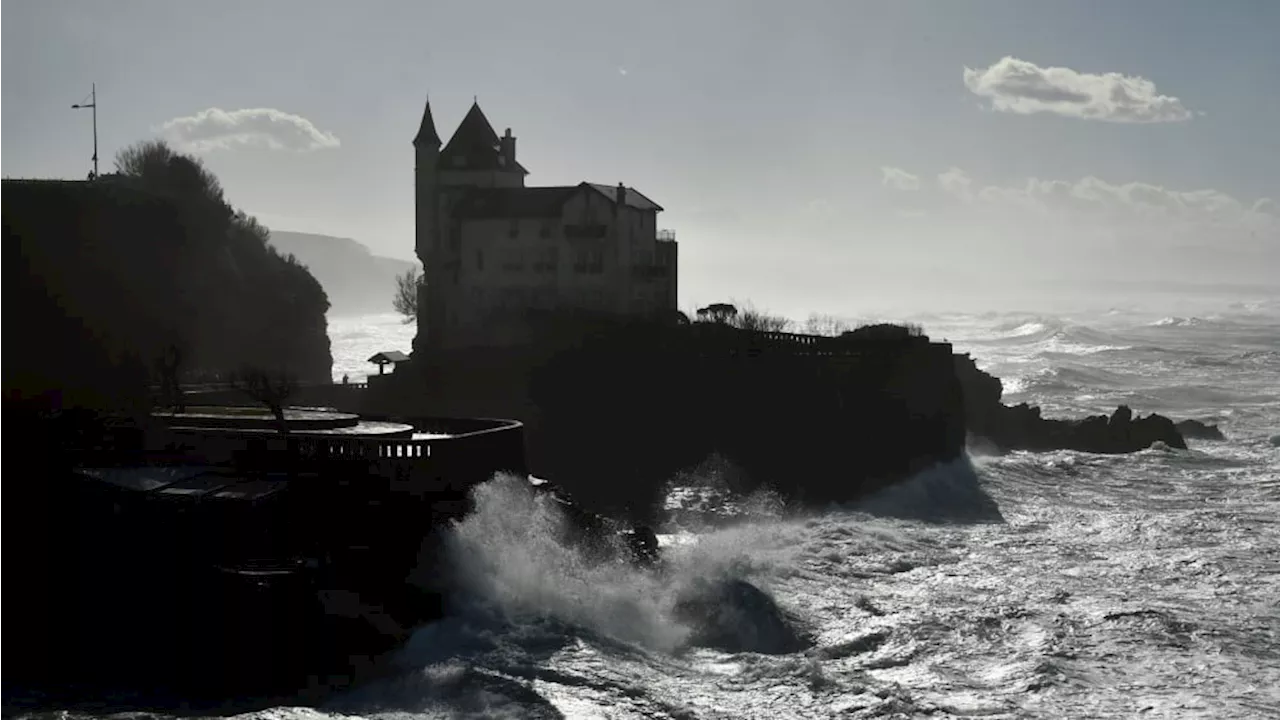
216 129
956 182
1024 88
898 179
1133 204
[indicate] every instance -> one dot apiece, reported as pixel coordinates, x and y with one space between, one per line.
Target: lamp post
93 105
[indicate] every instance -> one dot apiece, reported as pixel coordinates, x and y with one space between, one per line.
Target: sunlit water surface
1058 585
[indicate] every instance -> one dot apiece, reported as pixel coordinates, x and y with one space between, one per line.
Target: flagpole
93 105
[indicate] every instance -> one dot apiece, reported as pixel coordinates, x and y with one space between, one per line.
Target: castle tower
426 148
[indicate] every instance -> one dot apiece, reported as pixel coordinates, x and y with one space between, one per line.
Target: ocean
1054 585
353 339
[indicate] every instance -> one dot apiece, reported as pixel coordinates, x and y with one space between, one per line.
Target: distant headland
356 281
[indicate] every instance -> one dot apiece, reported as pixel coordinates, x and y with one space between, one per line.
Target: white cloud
1134 204
898 179
216 129
1022 87
956 182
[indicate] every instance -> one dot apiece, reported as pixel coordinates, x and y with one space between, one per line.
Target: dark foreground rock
1197 430
1021 427
735 616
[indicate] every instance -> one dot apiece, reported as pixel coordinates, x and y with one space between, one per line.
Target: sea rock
735 616
1197 430
1021 427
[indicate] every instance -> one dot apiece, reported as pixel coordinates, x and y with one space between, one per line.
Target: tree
749 318
760 321
270 390
826 325
720 313
158 166
213 277
408 286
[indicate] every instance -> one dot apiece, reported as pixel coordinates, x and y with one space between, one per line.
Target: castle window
546 260
480 260
513 260
589 261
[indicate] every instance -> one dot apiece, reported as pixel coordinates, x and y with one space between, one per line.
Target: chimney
620 198
507 148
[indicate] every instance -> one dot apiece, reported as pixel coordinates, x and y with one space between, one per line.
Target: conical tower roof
427 130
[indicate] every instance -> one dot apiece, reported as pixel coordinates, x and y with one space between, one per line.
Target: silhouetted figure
167 366
345 379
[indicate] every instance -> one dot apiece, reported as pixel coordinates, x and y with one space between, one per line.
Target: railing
224 386
666 236
462 447
726 337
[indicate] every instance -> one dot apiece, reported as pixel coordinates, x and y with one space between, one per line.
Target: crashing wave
510 559
943 493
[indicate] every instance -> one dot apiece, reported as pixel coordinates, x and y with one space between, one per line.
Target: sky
839 157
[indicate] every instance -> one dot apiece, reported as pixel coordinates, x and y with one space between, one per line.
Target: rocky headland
1022 427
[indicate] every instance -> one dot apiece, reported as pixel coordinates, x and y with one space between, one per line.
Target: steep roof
427 130
476 145
518 202
632 197
388 356
536 202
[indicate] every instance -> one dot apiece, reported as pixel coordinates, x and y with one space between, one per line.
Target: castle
495 251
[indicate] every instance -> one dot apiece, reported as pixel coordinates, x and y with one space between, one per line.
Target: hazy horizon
842 158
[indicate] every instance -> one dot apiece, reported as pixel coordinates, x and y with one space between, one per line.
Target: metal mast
92 104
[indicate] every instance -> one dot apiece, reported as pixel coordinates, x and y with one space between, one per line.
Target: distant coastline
356 281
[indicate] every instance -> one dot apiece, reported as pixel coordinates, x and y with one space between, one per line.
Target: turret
426 147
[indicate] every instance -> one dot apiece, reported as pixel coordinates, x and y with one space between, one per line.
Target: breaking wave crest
1050 336
511 564
949 492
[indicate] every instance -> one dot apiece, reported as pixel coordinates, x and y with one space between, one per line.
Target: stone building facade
496 251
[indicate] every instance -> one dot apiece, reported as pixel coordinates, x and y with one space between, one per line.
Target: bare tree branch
270 390
408 287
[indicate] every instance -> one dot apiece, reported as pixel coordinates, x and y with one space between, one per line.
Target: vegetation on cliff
106 279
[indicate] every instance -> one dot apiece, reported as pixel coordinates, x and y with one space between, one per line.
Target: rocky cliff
102 277
614 411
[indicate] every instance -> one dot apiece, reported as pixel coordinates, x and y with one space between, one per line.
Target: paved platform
302 421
